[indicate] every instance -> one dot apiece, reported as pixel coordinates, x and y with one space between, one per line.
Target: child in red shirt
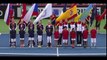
85 36
73 37
93 37
56 36
65 36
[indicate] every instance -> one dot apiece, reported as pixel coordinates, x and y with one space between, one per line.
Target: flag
11 12
86 13
100 17
29 14
94 12
76 19
105 26
69 14
64 9
47 12
35 12
52 16
103 14
23 12
8 14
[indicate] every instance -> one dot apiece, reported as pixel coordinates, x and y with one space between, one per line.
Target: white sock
94 44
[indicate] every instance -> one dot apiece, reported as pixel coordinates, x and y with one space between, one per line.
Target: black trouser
98 25
60 39
79 37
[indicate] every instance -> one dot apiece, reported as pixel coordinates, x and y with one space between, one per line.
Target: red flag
23 12
74 14
35 12
100 17
103 14
8 14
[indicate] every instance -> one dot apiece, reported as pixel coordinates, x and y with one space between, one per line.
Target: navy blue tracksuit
31 30
40 31
49 33
12 34
21 28
49 30
12 31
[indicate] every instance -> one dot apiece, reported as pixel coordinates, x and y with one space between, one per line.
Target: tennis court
5 50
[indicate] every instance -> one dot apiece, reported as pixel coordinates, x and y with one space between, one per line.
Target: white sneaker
80 44
77 44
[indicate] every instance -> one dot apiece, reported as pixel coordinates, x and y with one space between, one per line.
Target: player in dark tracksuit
49 31
40 34
12 34
31 42
22 33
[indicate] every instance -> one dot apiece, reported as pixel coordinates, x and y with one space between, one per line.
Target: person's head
49 22
39 22
61 21
31 22
66 20
86 28
56 29
21 21
12 21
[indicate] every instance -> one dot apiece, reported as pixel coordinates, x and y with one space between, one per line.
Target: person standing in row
85 37
93 37
72 26
73 37
12 33
65 34
31 42
49 32
40 34
79 33
22 33
60 28
65 24
56 36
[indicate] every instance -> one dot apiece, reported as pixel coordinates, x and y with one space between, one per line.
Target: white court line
44 54
81 54
53 54
57 51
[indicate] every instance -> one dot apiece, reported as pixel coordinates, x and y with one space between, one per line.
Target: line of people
77 32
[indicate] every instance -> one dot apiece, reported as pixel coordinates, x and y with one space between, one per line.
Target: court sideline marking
57 51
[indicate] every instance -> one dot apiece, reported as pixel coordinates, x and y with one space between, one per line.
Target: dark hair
72 29
64 27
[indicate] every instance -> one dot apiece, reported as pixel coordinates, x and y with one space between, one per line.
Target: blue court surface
5 50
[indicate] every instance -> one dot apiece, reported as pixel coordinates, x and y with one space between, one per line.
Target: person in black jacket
31 42
12 34
22 33
40 33
49 31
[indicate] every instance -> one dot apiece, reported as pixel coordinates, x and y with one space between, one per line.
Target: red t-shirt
93 33
65 34
85 34
73 34
56 34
